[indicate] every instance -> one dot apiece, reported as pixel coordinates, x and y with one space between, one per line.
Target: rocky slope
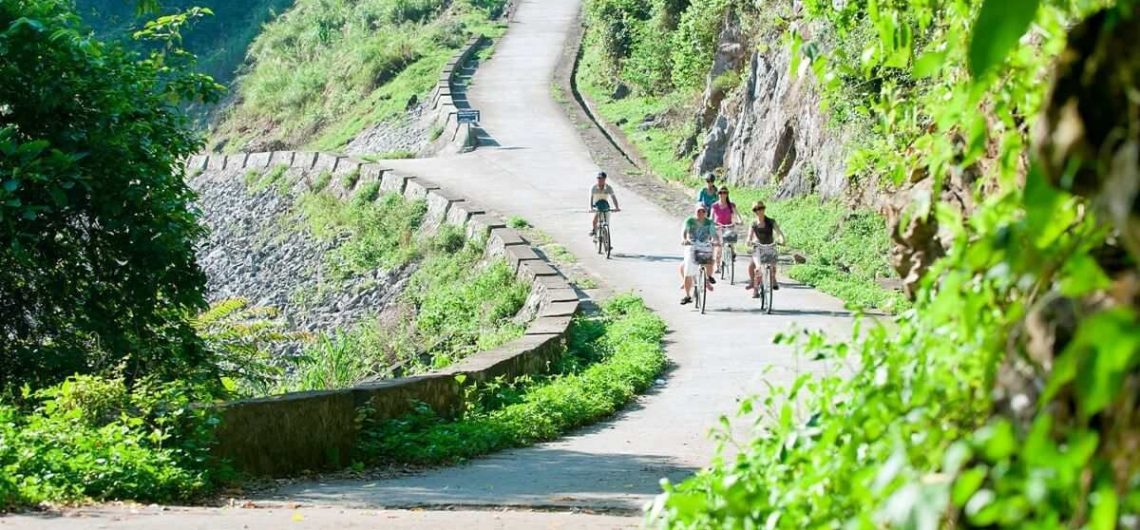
771 129
259 248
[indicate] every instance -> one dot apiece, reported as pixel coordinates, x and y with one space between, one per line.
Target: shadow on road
647 257
582 479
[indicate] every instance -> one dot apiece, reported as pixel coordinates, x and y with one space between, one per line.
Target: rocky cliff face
771 130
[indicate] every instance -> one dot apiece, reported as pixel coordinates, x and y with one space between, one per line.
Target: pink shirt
722 213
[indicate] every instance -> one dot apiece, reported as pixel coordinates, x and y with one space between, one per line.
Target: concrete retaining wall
311 431
456 137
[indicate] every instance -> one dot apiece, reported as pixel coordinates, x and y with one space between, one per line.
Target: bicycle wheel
599 239
697 294
768 291
705 294
609 244
731 265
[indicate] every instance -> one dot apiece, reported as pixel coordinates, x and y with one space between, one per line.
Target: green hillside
327 69
220 42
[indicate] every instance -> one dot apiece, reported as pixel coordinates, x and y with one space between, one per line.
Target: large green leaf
999 25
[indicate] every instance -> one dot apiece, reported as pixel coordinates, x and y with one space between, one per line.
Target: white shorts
691 266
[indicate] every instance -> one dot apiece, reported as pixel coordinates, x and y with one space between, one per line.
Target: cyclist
600 196
700 233
764 231
724 214
707 194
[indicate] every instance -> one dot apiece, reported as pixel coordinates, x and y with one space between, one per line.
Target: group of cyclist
704 234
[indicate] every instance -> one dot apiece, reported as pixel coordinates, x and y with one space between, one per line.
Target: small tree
97 232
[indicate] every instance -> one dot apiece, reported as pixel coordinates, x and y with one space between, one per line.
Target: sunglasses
760 209
723 193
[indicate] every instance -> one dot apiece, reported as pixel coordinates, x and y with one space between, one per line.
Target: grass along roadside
846 249
611 357
323 72
556 253
455 302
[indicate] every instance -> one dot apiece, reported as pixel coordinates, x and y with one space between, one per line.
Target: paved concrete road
308 518
542 171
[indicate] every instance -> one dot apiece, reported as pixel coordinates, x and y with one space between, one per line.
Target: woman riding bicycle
700 233
707 194
601 194
724 215
764 231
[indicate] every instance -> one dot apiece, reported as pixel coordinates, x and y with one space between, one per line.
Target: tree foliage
97 265
1007 396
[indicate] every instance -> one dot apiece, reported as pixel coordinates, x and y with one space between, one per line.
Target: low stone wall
311 431
455 137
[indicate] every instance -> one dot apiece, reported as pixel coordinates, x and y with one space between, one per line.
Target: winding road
541 170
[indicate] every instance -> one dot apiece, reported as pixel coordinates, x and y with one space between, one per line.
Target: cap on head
601 174
701 207
710 178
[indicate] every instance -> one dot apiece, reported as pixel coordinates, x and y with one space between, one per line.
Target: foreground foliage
97 265
611 357
1006 397
92 438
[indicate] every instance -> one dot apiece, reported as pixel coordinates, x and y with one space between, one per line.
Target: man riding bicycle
700 233
724 215
764 231
601 194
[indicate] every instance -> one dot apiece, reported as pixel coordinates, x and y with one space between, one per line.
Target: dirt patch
621 166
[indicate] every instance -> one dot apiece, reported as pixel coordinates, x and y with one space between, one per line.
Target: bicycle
702 255
602 236
767 260
727 263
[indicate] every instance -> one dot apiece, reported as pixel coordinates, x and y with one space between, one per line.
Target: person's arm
685 232
613 197
776 226
751 235
736 218
591 198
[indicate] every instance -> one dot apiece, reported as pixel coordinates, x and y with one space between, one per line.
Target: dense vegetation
98 273
97 268
1006 396
326 70
610 358
220 41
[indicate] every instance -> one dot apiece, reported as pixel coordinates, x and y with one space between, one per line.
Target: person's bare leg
594 230
772 268
708 269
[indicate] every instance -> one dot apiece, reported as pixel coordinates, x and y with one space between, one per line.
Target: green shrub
92 439
610 359
350 179
322 181
517 222
98 234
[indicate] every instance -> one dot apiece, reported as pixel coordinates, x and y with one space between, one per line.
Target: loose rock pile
260 249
